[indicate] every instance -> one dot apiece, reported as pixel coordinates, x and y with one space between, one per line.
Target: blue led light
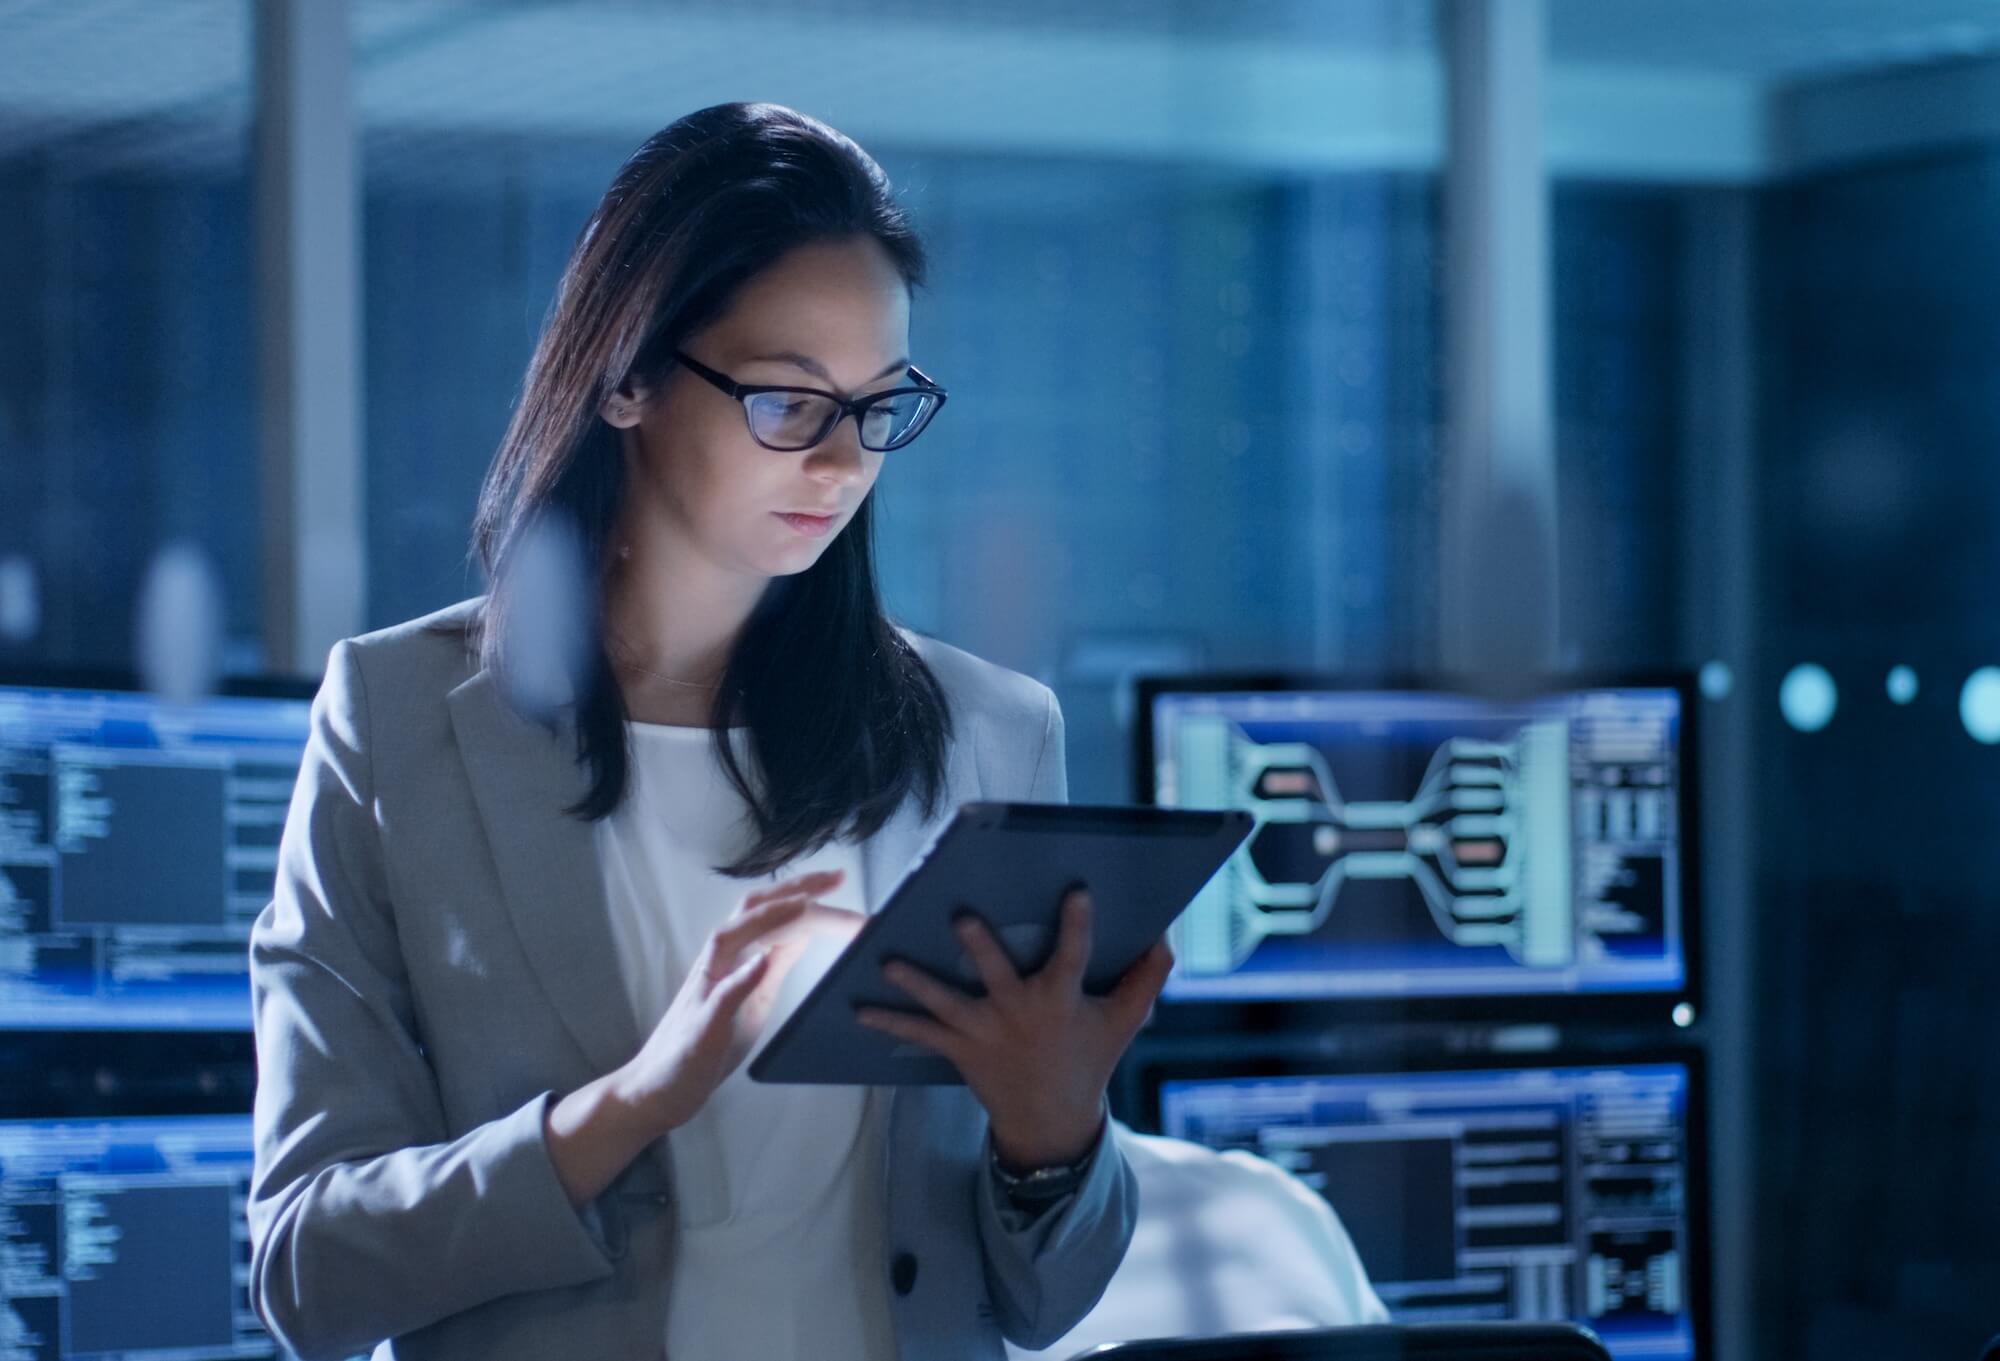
1979 704
1808 697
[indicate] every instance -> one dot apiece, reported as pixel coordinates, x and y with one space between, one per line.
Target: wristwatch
1042 1183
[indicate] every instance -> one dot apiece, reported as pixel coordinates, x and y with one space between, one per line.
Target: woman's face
834 316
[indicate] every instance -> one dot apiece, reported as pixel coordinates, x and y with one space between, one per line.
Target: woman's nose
838 457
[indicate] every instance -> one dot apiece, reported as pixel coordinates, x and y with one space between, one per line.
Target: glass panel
1101 202
127 374
1775 371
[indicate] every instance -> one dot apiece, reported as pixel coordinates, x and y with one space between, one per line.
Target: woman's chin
790 564
789 558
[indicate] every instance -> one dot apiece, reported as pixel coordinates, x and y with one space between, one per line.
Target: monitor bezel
1644 1006
120 680
92 1074
1158 1068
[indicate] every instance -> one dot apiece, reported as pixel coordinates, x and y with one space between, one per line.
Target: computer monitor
126 1238
1420 844
138 842
1570 1191
1372 1342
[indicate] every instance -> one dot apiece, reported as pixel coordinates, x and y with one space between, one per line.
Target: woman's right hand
726 998
595 1132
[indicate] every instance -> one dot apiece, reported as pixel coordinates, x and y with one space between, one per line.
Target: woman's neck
670 630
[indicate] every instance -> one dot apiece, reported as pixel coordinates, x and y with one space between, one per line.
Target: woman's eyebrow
814 367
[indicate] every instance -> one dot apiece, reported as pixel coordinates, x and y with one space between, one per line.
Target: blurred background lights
544 667
180 624
1808 697
1979 704
1902 684
20 600
1717 680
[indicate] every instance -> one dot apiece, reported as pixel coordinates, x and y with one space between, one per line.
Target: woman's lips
808 524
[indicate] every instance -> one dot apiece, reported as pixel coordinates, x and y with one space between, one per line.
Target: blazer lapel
523 777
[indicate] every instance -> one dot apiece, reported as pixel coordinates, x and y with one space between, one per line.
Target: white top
778 1190
1225 1243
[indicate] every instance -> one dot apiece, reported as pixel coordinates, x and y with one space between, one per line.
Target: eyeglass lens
796 420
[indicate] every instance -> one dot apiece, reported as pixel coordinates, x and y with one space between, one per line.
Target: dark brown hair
845 720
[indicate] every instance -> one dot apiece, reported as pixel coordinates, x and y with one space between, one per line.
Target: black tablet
1008 863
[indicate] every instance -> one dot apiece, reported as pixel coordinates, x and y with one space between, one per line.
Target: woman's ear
625 407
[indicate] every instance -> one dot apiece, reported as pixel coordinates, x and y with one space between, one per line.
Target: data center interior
1636 980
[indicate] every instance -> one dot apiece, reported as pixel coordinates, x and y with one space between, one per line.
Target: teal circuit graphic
1528 850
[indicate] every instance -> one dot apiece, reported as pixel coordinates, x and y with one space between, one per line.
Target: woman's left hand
1036 1050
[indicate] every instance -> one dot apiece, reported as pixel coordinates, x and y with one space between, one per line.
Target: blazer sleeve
367 1218
1046 1272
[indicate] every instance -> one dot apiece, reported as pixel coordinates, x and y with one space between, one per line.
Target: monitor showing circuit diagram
1428 844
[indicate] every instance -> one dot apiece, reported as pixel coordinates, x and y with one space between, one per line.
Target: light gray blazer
436 967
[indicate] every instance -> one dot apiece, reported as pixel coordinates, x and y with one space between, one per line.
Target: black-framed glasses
789 419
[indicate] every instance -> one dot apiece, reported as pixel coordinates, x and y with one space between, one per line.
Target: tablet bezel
1219 827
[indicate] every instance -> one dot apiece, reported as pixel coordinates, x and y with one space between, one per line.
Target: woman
525 934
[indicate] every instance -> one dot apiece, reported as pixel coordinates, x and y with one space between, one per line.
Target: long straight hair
845 720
